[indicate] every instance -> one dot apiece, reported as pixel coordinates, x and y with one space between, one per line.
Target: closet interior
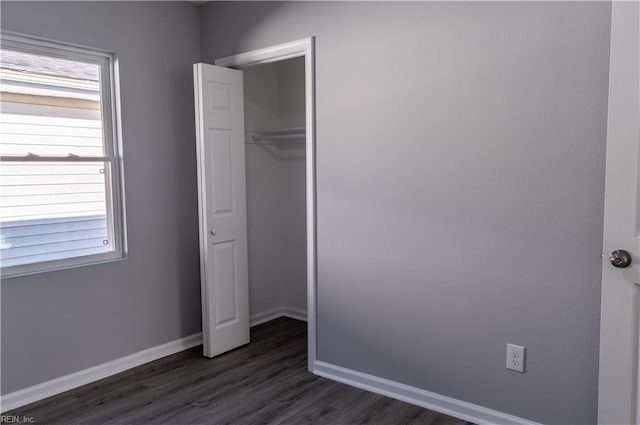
274 104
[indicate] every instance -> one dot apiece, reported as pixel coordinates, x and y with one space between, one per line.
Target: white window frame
112 139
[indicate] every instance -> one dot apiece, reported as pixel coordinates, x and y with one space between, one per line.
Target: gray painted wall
276 217
61 322
460 159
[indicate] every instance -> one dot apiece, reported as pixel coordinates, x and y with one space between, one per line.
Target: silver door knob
213 232
620 258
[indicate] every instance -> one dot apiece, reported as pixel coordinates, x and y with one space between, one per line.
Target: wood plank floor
264 382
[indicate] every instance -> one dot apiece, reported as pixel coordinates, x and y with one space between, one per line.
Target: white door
222 207
618 392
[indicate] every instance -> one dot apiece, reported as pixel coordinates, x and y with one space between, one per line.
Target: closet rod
282 134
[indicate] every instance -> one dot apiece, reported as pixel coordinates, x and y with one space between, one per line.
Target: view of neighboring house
52 208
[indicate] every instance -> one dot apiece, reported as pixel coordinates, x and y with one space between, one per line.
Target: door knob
213 232
620 258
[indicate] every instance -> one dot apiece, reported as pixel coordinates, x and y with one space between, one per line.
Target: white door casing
306 48
618 374
222 207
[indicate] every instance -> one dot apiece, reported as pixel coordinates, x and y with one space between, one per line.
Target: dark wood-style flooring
264 382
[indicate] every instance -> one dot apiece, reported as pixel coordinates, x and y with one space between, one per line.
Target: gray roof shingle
46 65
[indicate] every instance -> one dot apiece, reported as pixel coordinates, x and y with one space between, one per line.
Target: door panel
618 379
225 297
222 208
219 95
221 179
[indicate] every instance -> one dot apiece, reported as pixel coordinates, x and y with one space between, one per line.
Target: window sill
56 265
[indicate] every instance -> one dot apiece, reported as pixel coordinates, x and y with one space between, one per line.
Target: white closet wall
263 191
276 213
293 178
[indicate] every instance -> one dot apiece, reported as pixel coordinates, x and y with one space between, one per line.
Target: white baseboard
294 313
59 385
77 379
436 402
274 313
265 316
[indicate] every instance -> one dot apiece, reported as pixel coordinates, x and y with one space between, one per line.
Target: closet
274 118
255 165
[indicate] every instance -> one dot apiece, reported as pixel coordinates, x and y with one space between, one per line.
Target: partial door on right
619 324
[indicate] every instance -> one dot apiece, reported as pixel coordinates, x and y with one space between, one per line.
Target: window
61 200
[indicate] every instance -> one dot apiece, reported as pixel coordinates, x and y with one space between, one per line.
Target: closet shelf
284 135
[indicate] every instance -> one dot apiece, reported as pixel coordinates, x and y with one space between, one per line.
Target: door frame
618 368
303 47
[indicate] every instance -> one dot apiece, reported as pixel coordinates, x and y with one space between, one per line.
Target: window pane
49 106
60 169
51 211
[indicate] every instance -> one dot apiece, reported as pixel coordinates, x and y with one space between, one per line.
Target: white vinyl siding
49 190
49 135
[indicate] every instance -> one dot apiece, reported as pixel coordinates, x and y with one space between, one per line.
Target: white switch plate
515 358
